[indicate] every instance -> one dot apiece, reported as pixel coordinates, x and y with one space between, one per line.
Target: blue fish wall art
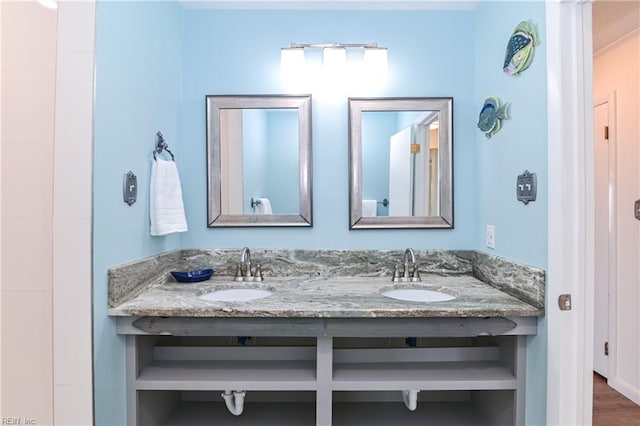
491 116
519 53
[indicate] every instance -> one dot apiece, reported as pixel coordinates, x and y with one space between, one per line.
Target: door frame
570 211
612 362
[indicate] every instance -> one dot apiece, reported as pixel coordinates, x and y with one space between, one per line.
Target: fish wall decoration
491 116
519 53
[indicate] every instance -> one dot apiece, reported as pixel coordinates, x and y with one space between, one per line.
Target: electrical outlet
491 236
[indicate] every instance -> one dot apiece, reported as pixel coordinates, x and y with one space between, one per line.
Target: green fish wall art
491 116
519 53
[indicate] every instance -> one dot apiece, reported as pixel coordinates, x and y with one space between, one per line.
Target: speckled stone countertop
328 284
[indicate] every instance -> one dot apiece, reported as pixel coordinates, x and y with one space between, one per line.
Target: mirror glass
259 157
400 163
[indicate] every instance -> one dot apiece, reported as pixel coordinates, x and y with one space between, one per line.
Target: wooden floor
611 408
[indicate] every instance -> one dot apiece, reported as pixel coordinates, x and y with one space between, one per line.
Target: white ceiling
334 4
613 19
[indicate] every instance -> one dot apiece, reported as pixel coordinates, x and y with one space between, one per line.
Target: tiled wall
27 142
45 215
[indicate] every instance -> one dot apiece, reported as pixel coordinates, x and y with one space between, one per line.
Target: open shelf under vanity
298 413
326 380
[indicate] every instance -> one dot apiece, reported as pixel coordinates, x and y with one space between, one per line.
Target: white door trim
570 212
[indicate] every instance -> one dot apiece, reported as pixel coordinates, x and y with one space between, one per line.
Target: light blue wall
521 231
156 63
520 145
138 91
238 52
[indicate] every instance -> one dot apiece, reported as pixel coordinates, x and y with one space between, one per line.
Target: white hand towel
167 210
264 206
369 208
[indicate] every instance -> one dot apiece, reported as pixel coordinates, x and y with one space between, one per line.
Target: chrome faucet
410 272
245 261
243 270
409 261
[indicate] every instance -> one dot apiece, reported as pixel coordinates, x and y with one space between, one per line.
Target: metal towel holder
161 145
255 203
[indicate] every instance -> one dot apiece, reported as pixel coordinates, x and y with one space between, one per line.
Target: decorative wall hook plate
130 188
526 187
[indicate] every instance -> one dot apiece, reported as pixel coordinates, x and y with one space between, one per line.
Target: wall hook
161 145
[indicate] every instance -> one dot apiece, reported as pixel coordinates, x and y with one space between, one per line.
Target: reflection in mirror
400 163
251 141
259 160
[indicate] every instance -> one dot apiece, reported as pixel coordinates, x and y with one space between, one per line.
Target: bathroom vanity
327 347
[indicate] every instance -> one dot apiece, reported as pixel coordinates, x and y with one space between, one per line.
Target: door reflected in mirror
259 160
400 163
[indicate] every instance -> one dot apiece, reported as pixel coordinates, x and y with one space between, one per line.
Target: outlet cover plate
491 236
526 187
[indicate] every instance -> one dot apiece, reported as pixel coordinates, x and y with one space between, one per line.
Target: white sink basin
418 295
236 295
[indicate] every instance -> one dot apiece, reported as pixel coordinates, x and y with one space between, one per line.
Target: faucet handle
257 273
396 272
238 272
415 272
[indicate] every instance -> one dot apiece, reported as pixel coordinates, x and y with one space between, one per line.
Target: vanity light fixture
335 58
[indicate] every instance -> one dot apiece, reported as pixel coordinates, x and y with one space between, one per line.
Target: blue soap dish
192 276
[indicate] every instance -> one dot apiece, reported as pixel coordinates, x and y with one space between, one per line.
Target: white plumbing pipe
234 401
410 398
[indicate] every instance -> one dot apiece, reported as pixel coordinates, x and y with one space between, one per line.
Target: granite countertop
333 297
328 284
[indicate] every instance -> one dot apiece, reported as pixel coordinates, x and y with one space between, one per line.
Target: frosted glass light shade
374 65
334 58
375 59
291 62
